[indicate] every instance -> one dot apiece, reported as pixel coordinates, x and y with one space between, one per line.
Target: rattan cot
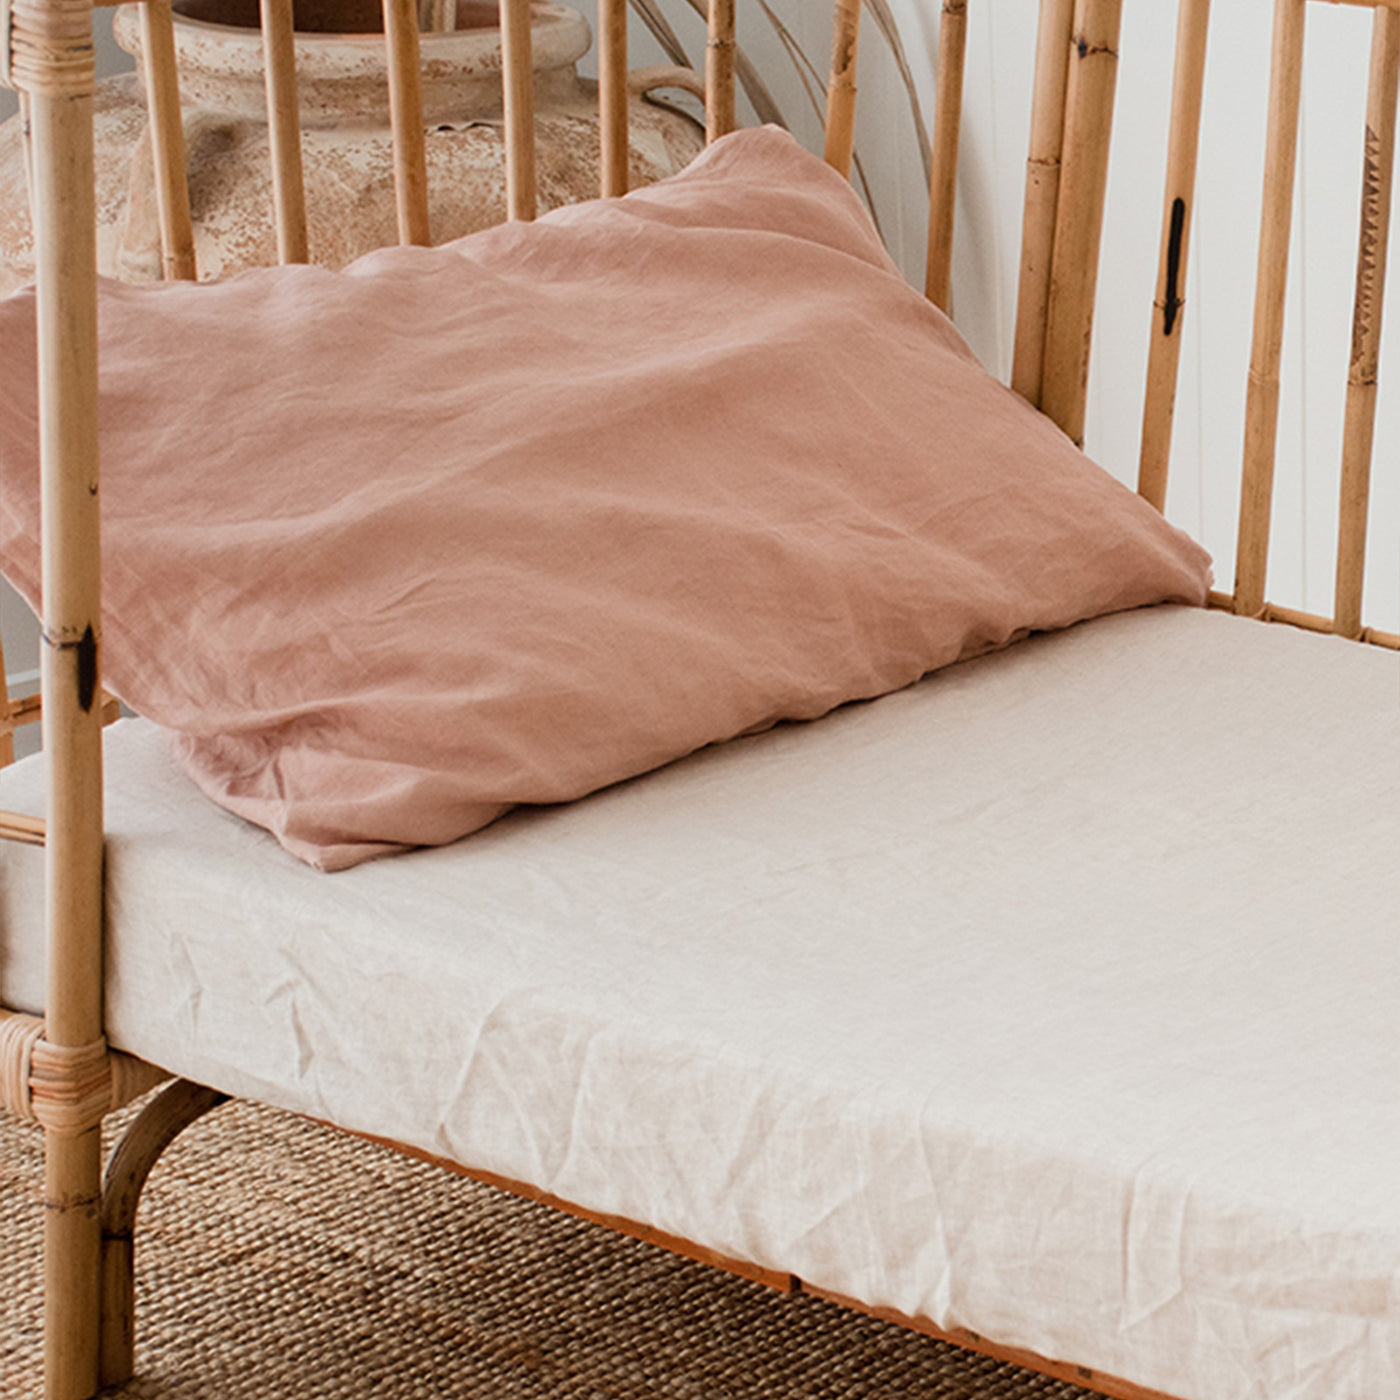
59 1070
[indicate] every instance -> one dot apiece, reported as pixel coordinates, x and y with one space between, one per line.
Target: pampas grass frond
650 13
811 76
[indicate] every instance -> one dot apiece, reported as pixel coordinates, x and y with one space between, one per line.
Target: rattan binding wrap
6 31
47 49
18 1037
67 1091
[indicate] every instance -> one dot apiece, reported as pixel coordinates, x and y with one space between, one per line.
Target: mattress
1054 997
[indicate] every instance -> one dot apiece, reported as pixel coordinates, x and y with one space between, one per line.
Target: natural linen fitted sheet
1054 996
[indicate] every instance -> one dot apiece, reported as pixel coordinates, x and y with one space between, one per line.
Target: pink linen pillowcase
395 549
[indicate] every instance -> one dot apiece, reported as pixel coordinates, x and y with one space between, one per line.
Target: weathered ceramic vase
341 71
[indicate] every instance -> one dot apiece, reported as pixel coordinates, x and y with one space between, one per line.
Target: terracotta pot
345 135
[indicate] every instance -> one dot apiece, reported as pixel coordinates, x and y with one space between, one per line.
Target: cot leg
71 1173
155 1128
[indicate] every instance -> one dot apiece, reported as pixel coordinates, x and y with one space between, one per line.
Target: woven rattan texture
279 1259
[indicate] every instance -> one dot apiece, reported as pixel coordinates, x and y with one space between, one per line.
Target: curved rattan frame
65 1076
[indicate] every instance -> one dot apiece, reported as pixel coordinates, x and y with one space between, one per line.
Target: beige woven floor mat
283 1261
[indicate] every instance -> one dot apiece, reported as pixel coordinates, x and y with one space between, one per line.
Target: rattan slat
943 178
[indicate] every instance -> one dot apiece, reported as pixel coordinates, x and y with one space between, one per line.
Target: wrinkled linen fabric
1053 997
503 522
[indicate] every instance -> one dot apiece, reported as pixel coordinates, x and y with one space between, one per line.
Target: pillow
395 549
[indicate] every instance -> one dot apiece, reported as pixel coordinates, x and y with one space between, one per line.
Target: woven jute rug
280 1259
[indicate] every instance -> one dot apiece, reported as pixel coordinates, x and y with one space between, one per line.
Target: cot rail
284 129
29 831
49 56
1164 355
612 97
167 140
1088 124
521 193
1364 371
943 176
1042 198
1076 68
